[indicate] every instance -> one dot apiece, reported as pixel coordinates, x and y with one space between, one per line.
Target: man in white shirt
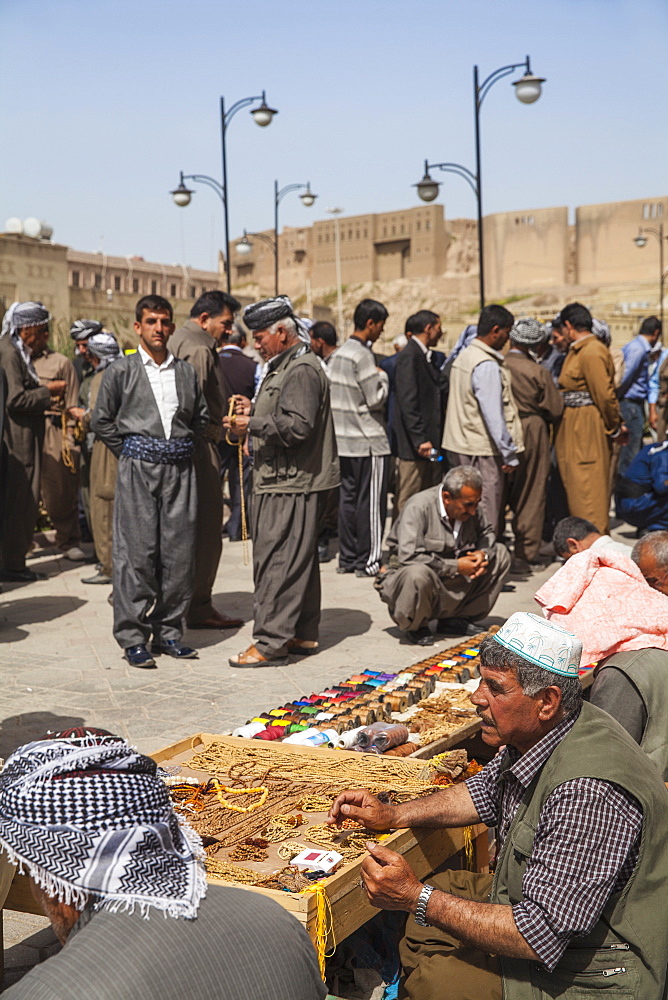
148 411
576 534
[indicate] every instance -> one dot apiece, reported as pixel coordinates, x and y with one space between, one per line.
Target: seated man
650 554
576 534
582 865
632 687
450 566
641 494
121 877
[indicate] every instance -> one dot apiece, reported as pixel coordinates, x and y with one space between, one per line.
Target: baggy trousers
103 473
60 486
24 463
229 463
286 572
528 488
436 964
415 594
155 509
362 511
208 539
413 477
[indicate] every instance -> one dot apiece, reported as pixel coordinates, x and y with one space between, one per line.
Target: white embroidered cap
541 642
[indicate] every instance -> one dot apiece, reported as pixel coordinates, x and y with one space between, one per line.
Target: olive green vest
310 465
648 670
465 431
630 942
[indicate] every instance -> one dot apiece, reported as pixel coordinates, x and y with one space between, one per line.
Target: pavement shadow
42 944
337 624
19 729
29 610
234 604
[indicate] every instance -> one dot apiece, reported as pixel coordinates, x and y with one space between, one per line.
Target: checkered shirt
585 846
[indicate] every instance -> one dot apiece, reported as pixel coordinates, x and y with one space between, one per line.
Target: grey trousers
285 570
494 485
208 539
155 509
415 594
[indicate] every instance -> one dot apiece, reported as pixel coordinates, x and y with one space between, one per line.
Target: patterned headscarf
466 337
82 329
529 331
104 347
601 330
88 816
19 316
265 313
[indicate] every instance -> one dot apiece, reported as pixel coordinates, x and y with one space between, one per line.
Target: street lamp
527 90
263 116
336 212
641 241
307 199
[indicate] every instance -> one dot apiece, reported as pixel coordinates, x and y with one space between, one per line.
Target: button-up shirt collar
425 350
455 526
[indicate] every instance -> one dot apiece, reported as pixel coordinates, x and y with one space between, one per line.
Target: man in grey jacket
450 566
148 412
295 464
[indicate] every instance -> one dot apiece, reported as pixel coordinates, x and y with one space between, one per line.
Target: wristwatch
421 909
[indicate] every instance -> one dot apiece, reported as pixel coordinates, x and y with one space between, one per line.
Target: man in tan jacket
482 424
592 418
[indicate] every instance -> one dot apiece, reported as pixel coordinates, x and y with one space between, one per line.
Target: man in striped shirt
359 392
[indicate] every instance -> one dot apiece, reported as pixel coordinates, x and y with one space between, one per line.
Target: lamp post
527 90
640 241
336 212
307 199
263 116
245 244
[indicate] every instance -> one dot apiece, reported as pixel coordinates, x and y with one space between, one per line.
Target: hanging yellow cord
240 455
65 449
324 925
468 847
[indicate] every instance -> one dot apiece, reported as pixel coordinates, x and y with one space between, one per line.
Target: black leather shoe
420 636
172 647
457 626
139 656
20 576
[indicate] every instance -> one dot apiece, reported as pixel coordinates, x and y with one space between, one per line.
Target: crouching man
450 566
121 878
576 902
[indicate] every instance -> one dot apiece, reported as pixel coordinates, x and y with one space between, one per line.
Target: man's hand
238 424
473 564
364 807
76 412
389 881
623 436
242 405
424 449
653 417
57 386
507 469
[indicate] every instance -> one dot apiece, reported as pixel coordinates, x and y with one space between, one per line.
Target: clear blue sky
105 101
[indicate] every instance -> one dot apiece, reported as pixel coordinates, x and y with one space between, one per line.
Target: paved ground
62 668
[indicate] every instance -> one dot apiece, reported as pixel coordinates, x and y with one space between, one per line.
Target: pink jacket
602 597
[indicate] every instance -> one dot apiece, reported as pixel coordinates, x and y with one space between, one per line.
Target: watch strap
421 908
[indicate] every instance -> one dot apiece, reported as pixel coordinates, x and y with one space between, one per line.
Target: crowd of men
576 790
539 421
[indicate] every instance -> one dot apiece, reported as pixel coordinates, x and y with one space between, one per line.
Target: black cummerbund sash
577 398
158 450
